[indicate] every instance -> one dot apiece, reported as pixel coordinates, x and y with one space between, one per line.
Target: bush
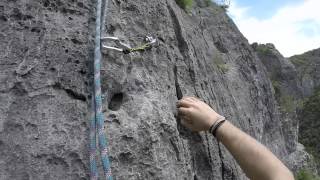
287 104
306 175
264 50
309 125
185 4
300 60
303 65
276 86
208 2
221 65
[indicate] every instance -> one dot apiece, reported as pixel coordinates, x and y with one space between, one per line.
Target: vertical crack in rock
176 83
173 142
208 148
182 130
222 163
182 44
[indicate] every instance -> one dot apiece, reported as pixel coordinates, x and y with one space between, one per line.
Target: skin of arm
257 162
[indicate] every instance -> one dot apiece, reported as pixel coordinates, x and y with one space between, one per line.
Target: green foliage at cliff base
306 175
309 125
287 104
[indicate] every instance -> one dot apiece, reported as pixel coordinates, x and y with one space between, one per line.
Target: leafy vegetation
287 104
303 64
276 87
208 2
221 65
309 126
300 103
300 60
264 50
185 4
306 175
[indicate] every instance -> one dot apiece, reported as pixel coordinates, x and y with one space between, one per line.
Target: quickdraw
97 116
125 48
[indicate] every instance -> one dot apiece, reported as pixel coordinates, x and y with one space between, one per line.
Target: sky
293 26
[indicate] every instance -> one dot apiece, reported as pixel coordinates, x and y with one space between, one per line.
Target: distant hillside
296 85
308 68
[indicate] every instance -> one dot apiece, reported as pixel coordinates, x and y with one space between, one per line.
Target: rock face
45 49
45 61
289 96
309 126
308 68
283 76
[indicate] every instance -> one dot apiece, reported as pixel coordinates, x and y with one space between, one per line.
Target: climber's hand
195 114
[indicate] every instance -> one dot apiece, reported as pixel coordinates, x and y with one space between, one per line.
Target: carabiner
125 48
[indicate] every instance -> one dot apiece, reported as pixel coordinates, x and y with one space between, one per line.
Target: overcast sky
293 26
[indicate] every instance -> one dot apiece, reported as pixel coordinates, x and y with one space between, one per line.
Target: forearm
254 158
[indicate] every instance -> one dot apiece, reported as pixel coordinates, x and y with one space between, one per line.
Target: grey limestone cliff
308 68
284 79
292 79
46 53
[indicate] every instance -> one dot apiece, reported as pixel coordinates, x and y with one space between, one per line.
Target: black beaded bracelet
214 130
216 125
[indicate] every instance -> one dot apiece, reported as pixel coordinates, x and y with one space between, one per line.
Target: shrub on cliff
185 4
221 65
264 50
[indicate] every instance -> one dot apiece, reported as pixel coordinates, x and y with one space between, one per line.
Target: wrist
214 119
218 122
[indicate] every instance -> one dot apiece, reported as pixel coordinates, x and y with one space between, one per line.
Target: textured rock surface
308 68
283 76
289 94
310 125
46 49
43 75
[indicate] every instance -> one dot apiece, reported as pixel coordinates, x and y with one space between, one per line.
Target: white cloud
293 29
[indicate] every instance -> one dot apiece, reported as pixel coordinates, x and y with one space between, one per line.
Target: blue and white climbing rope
97 117
93 144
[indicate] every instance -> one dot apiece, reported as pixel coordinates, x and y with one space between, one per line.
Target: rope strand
97 126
